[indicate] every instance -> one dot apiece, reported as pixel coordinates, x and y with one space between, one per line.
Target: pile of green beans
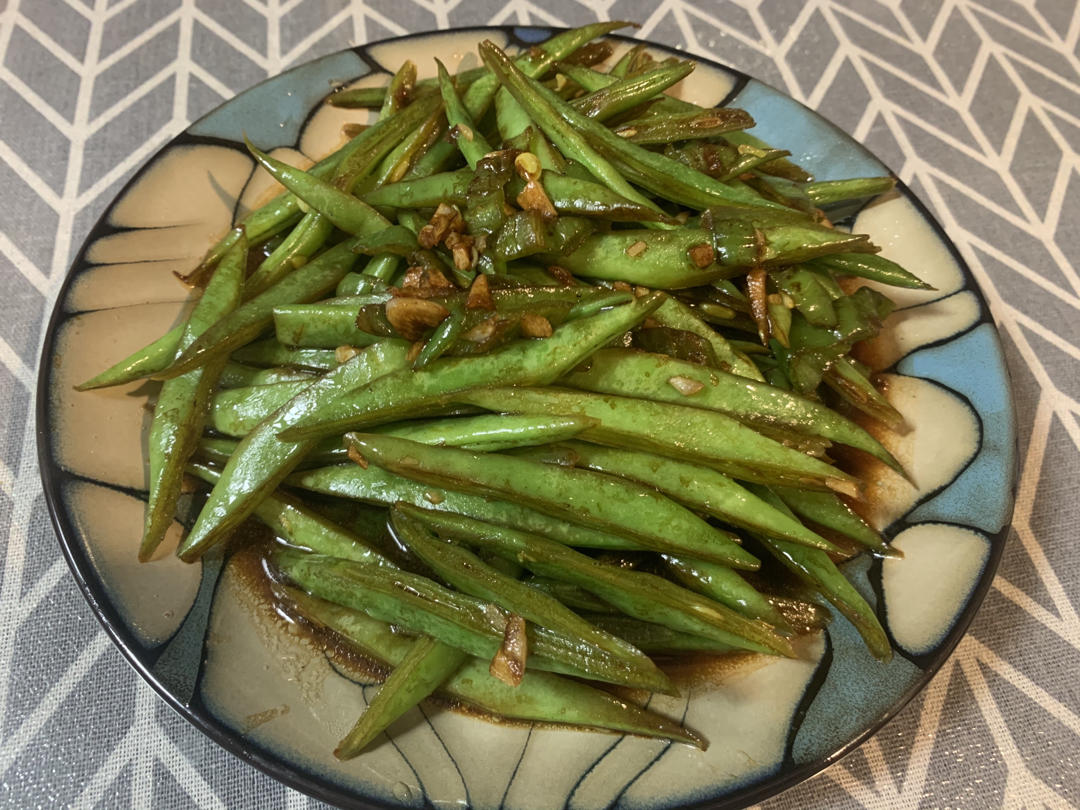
535 389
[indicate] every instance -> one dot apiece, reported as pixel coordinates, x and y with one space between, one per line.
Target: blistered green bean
541 696
580 496
181 405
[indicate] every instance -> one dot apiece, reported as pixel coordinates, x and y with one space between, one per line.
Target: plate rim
294 774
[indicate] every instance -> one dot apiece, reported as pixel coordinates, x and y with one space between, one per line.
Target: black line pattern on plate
656 759
461 777
517 765
821 672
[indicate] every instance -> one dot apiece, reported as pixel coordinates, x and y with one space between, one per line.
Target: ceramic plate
206 640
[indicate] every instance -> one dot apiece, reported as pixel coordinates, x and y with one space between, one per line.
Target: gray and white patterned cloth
974 103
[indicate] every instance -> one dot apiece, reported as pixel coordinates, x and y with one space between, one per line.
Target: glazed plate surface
206 639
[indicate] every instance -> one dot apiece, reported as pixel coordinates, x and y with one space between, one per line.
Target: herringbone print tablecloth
975 104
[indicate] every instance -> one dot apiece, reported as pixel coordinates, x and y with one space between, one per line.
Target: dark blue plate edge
270 763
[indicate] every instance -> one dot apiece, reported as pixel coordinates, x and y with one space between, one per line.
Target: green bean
218 450
677 315
489 432
303 528
262 461
593 305
320 326
654 172
719 441
382 268
540 697
572 596
811 291
828 510
446 334
858 391
703 489
399 90
357 163
236 411
675 343
665 379
643 596
653 258
733 164
144 362
182 402
571 195
284 210
781 167
238 375
620 69
387 134
303 242
421 605
472 144
377 486
872 267
371 97
690 257
338 207
486 432
828 192
534 62
511 119
374 97
519 363
548 155
271 353
723 585
655 638
215 450
594 81
469 574
359 284
396 240
793 242
625 94
398 162
788 193
307 283
570 141
579 496
684 126
423 192
423 669
816 569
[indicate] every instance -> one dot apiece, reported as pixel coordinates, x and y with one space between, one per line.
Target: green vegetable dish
538 387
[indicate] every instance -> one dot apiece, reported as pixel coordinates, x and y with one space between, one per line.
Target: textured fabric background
976 104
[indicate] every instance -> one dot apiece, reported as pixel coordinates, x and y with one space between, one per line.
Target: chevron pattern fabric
974 103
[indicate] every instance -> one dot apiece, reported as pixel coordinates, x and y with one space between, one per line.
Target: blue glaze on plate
815 144
529 34
272 113
857 689
973 365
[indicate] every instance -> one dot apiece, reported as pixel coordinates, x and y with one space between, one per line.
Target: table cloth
975 104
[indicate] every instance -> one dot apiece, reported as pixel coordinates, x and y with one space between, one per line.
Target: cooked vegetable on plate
535 384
